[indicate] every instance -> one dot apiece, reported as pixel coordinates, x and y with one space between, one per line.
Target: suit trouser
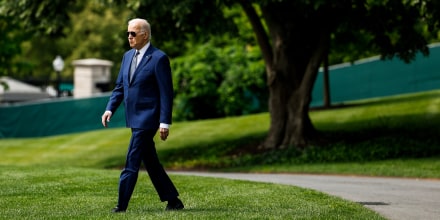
142 149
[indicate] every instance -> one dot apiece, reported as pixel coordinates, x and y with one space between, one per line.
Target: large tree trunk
289 102
298 49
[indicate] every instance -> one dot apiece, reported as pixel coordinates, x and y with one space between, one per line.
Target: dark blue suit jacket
148 98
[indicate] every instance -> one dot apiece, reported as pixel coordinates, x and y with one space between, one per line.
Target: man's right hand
106 118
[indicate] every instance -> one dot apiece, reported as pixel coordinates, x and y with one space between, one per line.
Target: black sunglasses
132 33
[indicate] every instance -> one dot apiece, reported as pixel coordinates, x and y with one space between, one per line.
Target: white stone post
87 74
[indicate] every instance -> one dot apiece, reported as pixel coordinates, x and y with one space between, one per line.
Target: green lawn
75 176
54 192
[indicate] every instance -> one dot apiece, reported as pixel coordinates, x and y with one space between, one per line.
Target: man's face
138 41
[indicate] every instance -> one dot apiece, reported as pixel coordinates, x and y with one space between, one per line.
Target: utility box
91 76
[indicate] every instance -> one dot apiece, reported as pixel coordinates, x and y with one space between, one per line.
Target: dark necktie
133 65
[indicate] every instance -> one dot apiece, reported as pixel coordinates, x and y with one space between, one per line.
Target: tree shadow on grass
371 143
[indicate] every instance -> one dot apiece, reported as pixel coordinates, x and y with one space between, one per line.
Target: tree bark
297 52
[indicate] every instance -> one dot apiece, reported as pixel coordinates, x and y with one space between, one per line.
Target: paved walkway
393 198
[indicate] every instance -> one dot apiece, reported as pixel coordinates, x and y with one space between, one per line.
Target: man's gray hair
144 25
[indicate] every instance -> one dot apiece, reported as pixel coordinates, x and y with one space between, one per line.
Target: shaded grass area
47 192
428 168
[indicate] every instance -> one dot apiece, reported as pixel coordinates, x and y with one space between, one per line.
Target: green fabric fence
373 77
54 117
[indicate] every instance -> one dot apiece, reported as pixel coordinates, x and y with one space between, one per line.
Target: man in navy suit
145 86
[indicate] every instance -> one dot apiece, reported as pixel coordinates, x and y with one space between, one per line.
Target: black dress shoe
174 204
117 209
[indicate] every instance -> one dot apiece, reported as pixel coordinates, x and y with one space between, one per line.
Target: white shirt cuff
163 125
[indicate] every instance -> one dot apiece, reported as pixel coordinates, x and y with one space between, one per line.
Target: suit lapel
145 58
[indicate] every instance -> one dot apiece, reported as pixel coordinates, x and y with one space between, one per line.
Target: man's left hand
163 133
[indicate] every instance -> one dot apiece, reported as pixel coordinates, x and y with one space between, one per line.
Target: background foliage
213 81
